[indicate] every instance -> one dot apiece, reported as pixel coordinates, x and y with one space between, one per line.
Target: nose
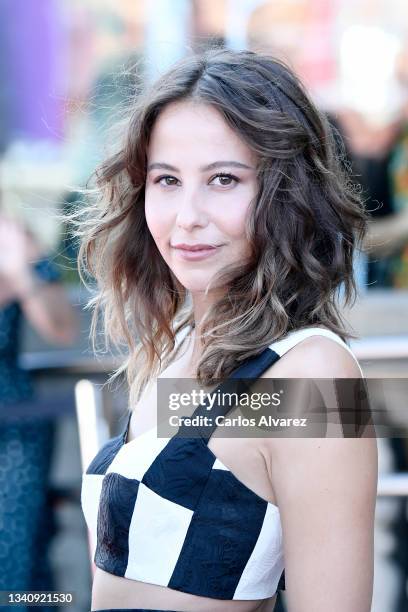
191 211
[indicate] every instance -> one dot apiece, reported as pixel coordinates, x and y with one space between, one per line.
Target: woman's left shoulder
317 356
324 357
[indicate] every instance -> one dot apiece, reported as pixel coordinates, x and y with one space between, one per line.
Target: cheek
156 220
236 228
233 221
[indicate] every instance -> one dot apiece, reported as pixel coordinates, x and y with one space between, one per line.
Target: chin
195 281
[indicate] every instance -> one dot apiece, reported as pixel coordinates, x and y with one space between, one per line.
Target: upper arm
326 492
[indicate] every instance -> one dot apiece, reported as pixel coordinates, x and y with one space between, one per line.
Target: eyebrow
217 164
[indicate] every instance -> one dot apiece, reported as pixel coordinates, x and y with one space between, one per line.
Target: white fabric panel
156 535
218 465
90 495
265 565
135 457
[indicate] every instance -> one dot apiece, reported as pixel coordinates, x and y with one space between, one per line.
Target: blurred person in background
370 150
399 176
30 287
379 157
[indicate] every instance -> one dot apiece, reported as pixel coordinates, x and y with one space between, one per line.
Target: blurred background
66 69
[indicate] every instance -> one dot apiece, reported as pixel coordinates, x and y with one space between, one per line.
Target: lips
195 252
194 247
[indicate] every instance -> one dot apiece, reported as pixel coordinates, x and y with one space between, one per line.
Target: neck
201 305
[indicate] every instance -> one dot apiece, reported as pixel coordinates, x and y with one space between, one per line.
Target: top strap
236 382
254 367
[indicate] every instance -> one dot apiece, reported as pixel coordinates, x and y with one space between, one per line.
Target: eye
168 180
225 179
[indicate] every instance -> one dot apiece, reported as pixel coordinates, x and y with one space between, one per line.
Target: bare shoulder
315 357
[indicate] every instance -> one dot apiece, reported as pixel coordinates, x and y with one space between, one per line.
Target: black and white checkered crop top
168 512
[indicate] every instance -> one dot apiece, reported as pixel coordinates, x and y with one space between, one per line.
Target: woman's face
201 178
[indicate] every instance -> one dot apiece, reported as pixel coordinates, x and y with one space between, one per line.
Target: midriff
111 591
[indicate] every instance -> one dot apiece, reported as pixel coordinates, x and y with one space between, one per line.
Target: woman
224 229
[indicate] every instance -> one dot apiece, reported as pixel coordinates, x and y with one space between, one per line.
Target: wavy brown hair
304 224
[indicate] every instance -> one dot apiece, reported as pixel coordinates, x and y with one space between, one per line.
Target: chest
246 458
